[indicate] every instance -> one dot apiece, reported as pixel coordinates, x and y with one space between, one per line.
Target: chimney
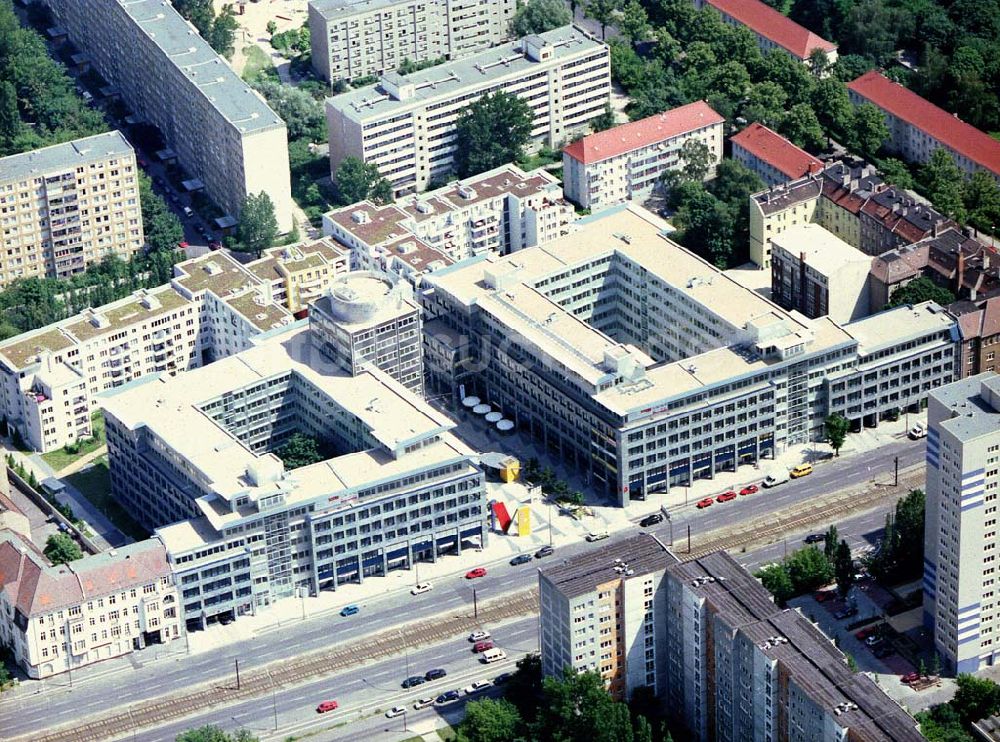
937 227
961 273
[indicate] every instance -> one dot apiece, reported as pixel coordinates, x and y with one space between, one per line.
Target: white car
394 712
476 687
479 636
421 587
423 703
917 431
597 535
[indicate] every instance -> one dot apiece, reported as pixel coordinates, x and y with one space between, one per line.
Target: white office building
405 124
960 534
357 38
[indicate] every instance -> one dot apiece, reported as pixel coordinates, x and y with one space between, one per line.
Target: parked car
482 646
884 650
188 212
423 703
349 610
474 573
327 706
651 520
846 612
822 596
874 640
435 674
447 697
479 636
726 496
815 538
775 478
413 681
476 687
597 536
864 633
422 587
910 677
183 245
802 470
706 503
917 430
520 559
394 712
502 678
750 489
544 552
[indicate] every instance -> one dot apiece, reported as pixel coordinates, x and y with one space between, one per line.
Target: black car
520 559
502 678
413 680
447 697
651 520
883 650
846 612
544 552
435 674
815 538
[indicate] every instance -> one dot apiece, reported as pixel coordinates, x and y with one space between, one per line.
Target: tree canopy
219 31
301 450
900 556
212 733
921 289
61 548
357 180
538 16
491 132
836 431
258 226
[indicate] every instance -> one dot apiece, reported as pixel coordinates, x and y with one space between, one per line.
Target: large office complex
405 124
772 29
917 127
645 367
214 307
723 660
500 211
60 618
771 156
357 38
193 456
627 161
222 132
960 536
69 205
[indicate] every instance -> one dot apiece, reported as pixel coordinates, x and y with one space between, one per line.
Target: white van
917 431
494 655
188 212
776 477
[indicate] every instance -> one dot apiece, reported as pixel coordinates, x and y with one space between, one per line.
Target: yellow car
802 470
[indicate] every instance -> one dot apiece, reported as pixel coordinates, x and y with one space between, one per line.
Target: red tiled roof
765 21
657 128
776 151
920 113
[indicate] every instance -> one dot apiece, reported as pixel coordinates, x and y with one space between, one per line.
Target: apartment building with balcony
358 38
405 124
67 206
222 132
59 618
625 162
644 367
501 211
917 127
300 273
775 159
192 456
960 535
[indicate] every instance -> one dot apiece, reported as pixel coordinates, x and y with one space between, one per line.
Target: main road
115 686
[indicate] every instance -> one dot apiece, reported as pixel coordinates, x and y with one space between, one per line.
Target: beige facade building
67 206
405 125
61 618
222 132
357 38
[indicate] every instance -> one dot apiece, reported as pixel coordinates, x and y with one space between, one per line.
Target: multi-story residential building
405 125
69 205
772 29
358 38
626 162
724 662
848 199
221 131
917 127
365 319
501 211
771 156
645 367
193 456
960 535
980 331
214 307
605 612
60 618
819 274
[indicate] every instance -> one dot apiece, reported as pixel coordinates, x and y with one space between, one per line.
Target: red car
822 596
482 646
326 706
474 573
864 633
183 245
749 489
726 496
706 503
910 677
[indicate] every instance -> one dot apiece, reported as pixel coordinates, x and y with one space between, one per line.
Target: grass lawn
94 483
61 458
258 64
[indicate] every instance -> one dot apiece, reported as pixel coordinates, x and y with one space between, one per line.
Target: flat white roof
897 324
822 250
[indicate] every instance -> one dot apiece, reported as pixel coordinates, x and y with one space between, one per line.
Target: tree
10 118
602 11
802 127
524 688
301 112
896 173
697 159
258 225
808 569
775 578
160 225
765 104
844 569
852 664
900 555
833 106
539 16
836 431
975 698
633 22
830 544
212 733
490 721
299 450
491 132
199 12
919 290
943 182
869 130
981 197
357 180
271 27
222 37
605 121
60 548
707 225
936 664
